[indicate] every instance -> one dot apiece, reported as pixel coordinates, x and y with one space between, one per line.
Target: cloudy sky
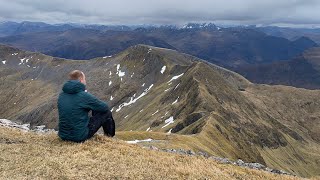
264 12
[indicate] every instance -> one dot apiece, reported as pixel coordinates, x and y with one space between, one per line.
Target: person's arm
95 104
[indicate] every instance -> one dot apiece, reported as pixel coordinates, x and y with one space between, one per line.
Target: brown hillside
216 110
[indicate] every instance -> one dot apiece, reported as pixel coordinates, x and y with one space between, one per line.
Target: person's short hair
75 75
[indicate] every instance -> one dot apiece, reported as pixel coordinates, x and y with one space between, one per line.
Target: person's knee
108 114
102 114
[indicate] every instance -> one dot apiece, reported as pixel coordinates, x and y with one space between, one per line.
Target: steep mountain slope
302 71
155 89
298 110
229 47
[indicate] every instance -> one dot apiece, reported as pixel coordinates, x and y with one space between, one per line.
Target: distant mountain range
302 71
8 28
155 89
261 54
292 33
15 28
228 47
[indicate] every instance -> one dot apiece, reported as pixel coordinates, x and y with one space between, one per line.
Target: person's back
74 105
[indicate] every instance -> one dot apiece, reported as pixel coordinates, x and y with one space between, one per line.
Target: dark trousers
104 120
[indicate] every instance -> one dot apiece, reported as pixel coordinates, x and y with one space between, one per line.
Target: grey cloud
162 11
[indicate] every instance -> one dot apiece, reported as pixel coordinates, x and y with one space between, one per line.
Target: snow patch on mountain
175 101
107 57
22 61
175 77
139 141
133 100
168 122
119 72
155 112
163 69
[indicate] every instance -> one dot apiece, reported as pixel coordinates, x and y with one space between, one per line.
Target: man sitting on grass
74 104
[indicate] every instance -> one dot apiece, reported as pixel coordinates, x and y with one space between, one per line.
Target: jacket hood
73 87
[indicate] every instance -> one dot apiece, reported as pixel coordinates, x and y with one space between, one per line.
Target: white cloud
162 12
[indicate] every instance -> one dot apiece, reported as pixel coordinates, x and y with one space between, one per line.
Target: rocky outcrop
25 127
239 162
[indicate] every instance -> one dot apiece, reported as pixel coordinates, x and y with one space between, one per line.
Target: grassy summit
27 155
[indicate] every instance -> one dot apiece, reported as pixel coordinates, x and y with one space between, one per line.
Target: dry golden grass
26 155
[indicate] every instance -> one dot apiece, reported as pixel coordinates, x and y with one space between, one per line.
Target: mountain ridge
149 88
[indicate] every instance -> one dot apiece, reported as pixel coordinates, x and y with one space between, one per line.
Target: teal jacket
74 105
